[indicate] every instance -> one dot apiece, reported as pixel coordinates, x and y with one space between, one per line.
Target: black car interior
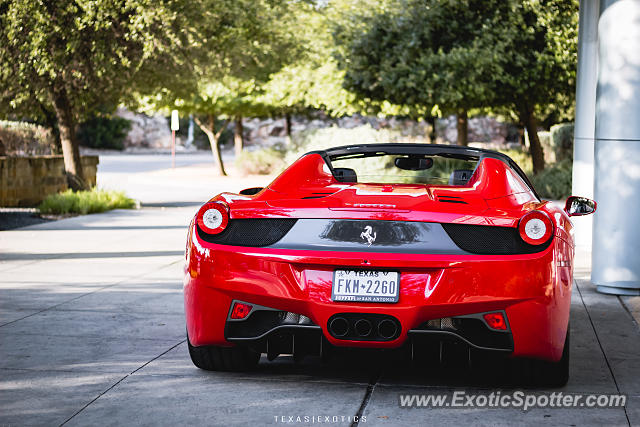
460 177
345 175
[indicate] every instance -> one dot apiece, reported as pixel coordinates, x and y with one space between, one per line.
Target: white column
616 227
585 124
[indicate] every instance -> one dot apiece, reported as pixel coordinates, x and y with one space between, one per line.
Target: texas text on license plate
365 286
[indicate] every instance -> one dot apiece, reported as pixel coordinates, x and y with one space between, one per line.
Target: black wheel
557 374
214 358
542 373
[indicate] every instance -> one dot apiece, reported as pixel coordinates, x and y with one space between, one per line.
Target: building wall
26 181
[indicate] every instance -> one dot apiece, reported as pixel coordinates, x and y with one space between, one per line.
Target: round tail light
535 227
213 217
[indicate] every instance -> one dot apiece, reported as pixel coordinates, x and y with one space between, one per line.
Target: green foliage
555 181
61 61
521 158
226 78
25 139
511 56
80 54
562 141
313 80
227 73
261 162
104 132
85 202
420 56
475 53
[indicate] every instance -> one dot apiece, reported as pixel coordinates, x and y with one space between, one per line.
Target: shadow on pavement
13 256
75 227
395 367
172 204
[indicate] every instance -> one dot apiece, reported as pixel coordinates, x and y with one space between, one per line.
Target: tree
453 56
538 56
227 78
312 81
67 59
214 104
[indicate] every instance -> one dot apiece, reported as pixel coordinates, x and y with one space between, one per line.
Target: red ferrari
424 247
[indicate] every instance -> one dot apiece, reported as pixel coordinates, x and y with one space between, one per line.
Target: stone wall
146 131
26 181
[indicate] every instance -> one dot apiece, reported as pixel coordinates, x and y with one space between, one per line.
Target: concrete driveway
92 333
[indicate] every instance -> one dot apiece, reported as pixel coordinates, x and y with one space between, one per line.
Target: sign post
175 125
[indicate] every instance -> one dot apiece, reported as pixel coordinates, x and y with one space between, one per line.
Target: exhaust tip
339 327
387 329
363 327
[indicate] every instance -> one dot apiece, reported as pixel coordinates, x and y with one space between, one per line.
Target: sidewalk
92 333
150 179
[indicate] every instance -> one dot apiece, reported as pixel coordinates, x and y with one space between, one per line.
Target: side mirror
579 206
413 163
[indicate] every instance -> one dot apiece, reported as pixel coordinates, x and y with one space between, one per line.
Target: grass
85 202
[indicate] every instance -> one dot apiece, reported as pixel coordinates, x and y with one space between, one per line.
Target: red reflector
240 310
496 321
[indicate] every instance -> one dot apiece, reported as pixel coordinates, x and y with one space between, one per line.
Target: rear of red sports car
381 246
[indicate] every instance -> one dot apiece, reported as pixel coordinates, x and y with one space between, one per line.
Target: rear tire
556 374
214 358
532 372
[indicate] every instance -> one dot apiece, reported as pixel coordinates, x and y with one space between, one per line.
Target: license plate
365 286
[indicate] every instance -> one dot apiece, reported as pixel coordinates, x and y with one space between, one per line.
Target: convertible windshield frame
449 151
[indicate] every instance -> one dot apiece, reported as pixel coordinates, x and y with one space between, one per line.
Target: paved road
148 179
92 333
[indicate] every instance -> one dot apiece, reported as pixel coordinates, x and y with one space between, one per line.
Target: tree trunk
208 128
462 123
68 140
51 122
238 138
432 130
287 127
535 147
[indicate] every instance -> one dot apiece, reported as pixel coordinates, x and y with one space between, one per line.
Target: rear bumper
526 287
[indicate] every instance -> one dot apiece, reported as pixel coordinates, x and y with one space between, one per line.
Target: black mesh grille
250 232
490 240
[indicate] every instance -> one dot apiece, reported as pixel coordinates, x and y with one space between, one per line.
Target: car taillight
213 217
535 227
240 310
496 321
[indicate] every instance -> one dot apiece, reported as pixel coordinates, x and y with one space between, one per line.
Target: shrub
554 182
562 141
85 202
522 158
260 162
104 132
26 139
